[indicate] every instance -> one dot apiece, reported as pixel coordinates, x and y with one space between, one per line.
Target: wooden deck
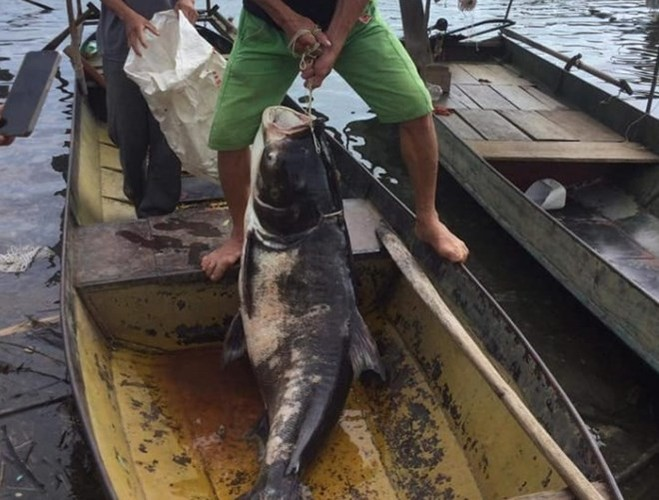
505 117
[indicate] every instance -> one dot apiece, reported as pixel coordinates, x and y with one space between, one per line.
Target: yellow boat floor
188 420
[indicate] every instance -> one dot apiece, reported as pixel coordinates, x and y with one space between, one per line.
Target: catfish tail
274 484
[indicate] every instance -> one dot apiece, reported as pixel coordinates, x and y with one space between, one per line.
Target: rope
307 58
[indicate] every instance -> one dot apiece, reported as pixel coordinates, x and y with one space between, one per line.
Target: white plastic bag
180 75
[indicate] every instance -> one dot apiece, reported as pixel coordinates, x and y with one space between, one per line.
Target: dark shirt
319 11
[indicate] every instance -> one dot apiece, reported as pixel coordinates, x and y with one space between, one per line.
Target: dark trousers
152 171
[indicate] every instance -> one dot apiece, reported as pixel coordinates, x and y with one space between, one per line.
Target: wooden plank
459 127
28 93
117 211
492 125
581 152
111 253
520 97
112 184
544 97
537 126
582 126
109 157
457 99
460 75
104 137
486 97
493 73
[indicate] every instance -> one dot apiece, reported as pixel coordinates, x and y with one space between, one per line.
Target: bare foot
443 241
442 110
216 263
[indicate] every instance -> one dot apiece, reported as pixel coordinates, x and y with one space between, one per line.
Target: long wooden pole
648 107
40 5
415 32
75 47
572 476
54 43
573 61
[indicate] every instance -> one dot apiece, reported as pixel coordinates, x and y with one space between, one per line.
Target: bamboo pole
75 44
570 473
29 324
653 87
40 5
54 43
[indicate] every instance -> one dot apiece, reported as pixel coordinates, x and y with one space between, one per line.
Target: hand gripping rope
307 58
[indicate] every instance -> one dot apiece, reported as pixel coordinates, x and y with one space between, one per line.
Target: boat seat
148 250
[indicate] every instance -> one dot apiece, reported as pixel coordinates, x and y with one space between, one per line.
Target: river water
617 395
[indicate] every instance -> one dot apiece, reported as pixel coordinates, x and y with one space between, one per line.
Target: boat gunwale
67 292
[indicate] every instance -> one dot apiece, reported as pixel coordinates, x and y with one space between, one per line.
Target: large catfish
298 317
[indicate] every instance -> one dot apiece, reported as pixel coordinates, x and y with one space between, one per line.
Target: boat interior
532 120
168 417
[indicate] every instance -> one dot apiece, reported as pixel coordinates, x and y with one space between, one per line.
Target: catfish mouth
267 207
289 221
280 122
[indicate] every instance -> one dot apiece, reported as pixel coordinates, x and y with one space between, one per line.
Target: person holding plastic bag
152 171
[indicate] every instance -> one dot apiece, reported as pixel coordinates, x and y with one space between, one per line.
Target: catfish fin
363 350
274 484
261 429
260 433
234 341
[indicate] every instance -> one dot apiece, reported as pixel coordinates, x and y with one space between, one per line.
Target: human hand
305 38
188 9
317 71
136 25
5 140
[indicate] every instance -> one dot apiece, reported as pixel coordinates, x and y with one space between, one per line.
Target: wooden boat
519 119
468 410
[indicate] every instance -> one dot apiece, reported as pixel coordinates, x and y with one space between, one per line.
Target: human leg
259 72
128 128
376 65
162 189
234 177
420 152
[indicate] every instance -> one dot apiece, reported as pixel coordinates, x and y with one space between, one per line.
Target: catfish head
294 181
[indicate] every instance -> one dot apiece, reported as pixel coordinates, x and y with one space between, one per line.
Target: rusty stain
155 243
201 229
182 459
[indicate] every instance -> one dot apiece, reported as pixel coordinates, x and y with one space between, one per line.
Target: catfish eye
274 193
271 159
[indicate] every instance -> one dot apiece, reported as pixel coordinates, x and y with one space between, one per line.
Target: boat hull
603 247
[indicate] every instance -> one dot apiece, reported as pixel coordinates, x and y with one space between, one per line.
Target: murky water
615 393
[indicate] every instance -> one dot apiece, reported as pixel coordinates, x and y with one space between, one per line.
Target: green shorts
261 70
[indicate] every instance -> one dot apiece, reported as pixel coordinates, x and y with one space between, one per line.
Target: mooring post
415 32
653 87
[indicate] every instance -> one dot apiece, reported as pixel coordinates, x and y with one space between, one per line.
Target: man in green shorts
354 40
